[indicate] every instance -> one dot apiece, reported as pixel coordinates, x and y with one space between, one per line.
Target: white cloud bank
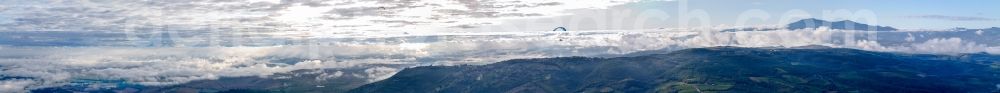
54 66
316 15
15 86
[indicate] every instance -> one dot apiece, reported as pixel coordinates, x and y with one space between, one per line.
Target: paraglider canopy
559 28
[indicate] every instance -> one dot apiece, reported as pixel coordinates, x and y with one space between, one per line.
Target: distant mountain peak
812 19
812 23
842 25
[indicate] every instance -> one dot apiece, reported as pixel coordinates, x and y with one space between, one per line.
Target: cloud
15 85
381 57
326 15
953 18
936 46
325 76
378 73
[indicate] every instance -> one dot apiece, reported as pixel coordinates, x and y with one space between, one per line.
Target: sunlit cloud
53 66
316 15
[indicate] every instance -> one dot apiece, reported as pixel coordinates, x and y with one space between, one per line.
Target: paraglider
559 28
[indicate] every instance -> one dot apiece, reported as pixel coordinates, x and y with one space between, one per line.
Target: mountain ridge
813 23
708 70
842 25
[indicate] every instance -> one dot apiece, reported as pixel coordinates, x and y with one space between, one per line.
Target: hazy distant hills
302 81
716 69
808 69
983 29
842 25
813 23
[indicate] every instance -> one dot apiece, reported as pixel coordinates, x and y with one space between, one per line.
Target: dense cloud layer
53 66
315 15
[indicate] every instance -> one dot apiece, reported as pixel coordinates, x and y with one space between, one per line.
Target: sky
911 14
897 13
416 16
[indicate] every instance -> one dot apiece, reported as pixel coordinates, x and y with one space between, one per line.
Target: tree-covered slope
720 69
